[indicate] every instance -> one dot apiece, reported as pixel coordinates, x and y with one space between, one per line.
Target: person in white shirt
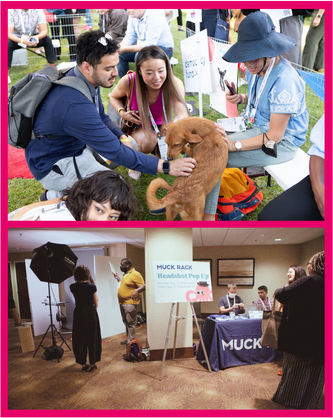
145 27
27 28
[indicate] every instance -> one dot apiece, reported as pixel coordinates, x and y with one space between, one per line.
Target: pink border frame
327 412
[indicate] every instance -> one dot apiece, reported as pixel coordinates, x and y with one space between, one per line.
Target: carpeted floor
35 383
17 165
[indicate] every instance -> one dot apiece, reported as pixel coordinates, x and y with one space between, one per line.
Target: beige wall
116 250
311 248
166 245
271 265
19 256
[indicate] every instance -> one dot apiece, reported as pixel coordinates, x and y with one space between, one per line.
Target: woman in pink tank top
155 90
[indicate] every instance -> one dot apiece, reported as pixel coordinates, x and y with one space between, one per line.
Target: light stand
53 263
51 328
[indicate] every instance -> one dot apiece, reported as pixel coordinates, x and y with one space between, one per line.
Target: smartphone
232 91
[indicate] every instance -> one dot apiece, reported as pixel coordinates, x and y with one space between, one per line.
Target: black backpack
133 351
53 352
27 94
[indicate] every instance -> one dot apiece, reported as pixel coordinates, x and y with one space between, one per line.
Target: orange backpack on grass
239 195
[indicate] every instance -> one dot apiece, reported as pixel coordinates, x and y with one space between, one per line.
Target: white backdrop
107 288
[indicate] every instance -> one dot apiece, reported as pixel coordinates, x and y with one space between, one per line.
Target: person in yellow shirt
131 285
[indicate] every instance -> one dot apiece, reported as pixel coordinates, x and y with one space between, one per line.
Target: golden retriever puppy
198 138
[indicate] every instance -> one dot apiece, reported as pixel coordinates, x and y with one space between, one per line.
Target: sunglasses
103 40
251 63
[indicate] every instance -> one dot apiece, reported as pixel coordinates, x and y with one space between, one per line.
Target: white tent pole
197 31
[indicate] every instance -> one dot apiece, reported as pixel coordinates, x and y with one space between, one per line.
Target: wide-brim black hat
257 39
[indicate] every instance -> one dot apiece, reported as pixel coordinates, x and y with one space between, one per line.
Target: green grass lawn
24 191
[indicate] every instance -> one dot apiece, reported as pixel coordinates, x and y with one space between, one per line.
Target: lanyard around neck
22 22
263 304
254 109
153 120
229 301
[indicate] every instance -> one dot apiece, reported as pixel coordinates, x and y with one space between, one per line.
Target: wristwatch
166 166
238 146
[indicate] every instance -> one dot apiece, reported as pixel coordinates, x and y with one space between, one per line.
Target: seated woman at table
231 302
276 112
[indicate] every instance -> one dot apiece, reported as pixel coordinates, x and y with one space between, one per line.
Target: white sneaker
135 175
9 80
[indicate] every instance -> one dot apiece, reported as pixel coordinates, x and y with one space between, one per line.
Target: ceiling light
277 239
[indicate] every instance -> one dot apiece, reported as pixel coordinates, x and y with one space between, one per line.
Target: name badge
162 147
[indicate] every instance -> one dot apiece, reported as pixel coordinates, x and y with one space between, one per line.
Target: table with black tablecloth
234 342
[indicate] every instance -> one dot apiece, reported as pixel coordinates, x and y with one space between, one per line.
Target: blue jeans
127 57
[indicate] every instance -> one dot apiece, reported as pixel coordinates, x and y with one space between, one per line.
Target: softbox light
53 263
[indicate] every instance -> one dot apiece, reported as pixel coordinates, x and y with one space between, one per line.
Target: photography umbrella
53 263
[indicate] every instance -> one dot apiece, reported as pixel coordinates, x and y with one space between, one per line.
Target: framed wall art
236 270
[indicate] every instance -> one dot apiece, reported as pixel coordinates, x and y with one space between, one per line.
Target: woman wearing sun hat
276 113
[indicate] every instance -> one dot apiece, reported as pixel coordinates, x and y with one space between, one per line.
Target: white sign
276 15
182 281
196 62
220 71
194 15
113 271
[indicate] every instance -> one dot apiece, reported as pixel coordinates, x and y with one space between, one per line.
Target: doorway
22 290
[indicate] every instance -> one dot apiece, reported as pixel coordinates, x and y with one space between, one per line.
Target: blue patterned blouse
284 92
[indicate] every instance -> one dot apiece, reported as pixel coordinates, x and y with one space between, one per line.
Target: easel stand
178 318
51 328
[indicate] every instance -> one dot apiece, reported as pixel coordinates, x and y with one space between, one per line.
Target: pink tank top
156 108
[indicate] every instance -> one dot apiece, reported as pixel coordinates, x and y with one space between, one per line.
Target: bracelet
121 108
125 140
242 100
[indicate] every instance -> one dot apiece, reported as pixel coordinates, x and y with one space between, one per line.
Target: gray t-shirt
224 302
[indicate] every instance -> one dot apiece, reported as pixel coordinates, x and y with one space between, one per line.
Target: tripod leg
63 341
202 342
166 341
40 344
